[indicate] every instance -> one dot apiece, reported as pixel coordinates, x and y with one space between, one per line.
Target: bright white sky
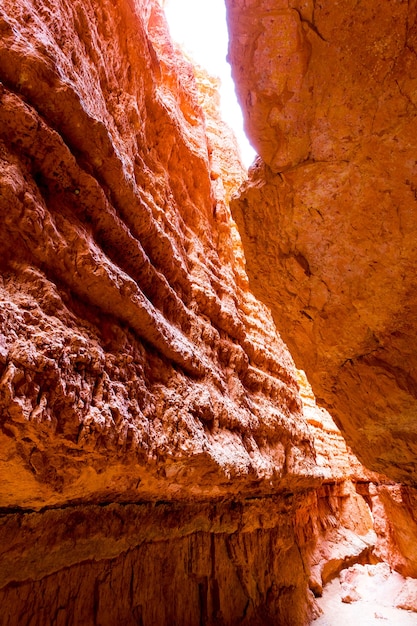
199 26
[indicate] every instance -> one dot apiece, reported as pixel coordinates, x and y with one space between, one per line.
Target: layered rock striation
159 463
132 349
328 217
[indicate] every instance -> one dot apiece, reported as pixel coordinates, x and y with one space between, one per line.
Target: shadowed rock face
328 220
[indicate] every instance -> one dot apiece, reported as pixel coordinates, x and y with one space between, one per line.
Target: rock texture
227 563
159 463
368 594
394 510
329 215
132 349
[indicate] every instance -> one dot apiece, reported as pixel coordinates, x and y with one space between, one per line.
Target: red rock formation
159 465
328 221
128 337
394 509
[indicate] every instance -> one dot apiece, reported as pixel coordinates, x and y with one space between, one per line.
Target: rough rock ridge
328 217
159 465
132 348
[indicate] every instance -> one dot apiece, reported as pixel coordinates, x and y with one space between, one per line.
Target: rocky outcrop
328 217
159 463
226 563
394 510
132 349
366 594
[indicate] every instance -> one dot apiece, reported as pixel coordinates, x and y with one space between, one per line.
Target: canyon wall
328 217
132 349
162 460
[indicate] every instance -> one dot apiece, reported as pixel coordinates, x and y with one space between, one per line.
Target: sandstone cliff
328 218
131 346
159 464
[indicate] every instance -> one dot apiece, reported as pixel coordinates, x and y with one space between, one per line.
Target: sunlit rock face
395 513
328 219
159 464
131 347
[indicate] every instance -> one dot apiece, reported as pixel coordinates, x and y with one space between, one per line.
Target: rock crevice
162 459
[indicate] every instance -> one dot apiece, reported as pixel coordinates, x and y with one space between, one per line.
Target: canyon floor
371 593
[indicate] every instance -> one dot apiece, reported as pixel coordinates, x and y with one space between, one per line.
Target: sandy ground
373 592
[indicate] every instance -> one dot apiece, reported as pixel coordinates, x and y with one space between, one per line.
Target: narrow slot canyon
207 379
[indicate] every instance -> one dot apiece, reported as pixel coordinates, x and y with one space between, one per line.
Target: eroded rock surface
368 594
329 215
158 462
132 349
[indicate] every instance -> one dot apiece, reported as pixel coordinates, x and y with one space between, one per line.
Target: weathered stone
394 511
328 219
159 464
135 351
407 598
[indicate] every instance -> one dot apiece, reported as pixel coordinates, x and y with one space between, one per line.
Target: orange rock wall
158 462
329 215
394 510
131 346
163 564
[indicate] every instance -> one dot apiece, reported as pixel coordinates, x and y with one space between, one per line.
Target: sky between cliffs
199 26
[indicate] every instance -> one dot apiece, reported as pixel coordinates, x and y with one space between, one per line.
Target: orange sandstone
329 216
159 464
